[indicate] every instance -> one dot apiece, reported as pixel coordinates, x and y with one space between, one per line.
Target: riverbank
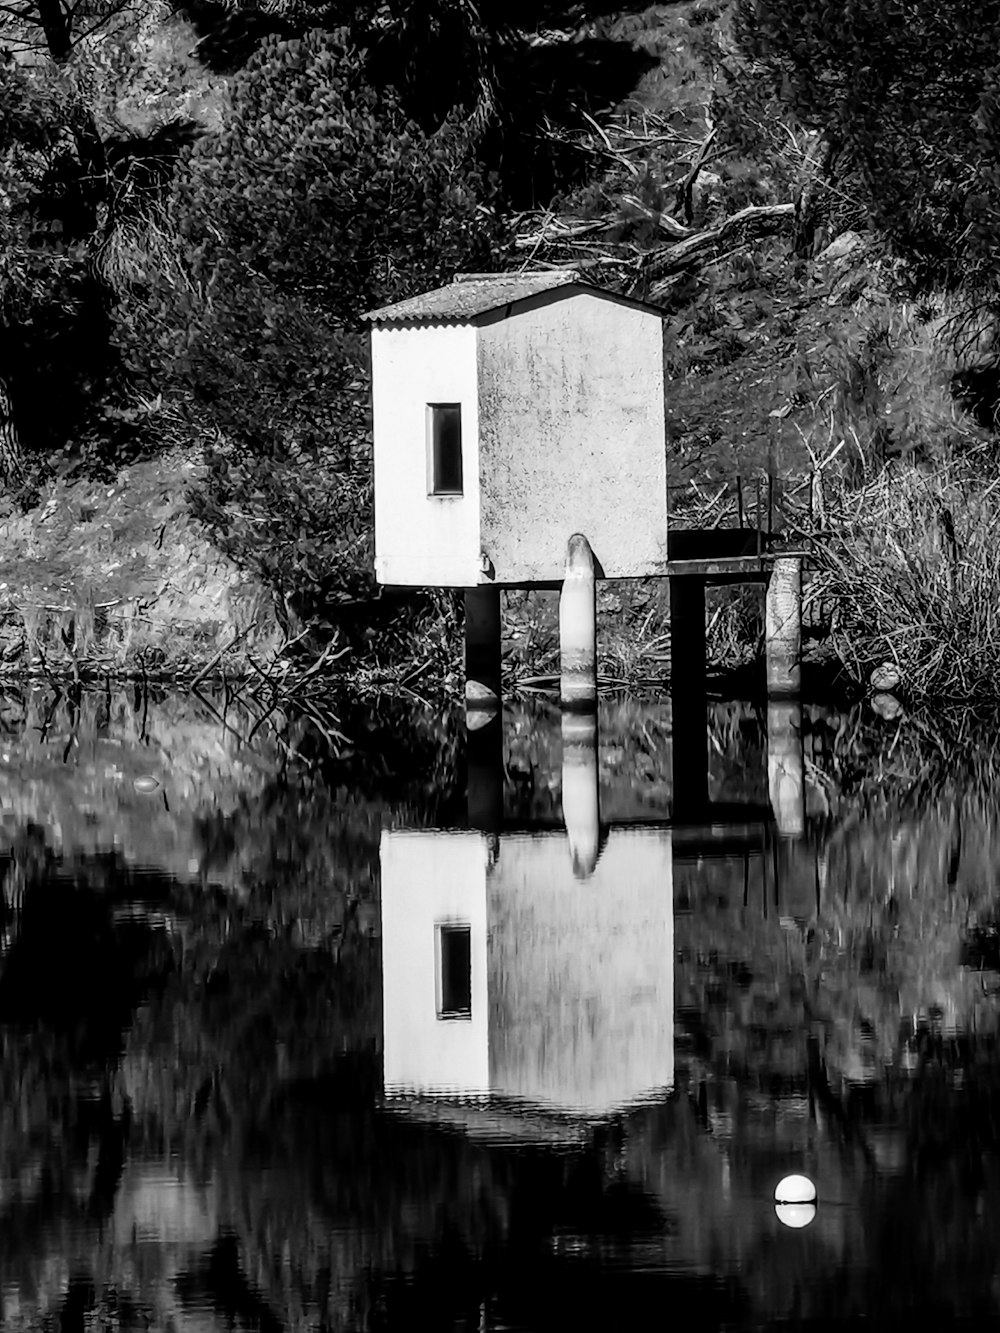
116 580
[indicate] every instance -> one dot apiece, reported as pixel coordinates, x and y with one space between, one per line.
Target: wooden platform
715 555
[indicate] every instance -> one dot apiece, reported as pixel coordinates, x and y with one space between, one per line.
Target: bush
318 200
912 568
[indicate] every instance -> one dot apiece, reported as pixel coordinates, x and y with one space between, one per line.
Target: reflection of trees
149 1016
866 1018
229 1041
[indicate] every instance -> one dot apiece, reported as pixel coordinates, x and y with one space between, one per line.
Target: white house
511 411
504 975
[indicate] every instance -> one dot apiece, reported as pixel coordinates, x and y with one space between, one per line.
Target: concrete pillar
581 790
783 627
688 707
484 770
785 768
482 649
578 627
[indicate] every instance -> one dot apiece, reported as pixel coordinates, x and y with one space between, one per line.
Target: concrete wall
422 540
571 434
431 878
581 974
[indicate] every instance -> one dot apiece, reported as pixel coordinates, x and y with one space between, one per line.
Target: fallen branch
221 654
668 260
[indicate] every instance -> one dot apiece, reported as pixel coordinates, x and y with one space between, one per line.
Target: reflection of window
444 449
454 959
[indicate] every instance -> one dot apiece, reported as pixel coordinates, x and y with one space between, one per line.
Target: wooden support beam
484 770
687 697
483 691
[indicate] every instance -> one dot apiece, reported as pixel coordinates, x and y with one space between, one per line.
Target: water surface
396 1028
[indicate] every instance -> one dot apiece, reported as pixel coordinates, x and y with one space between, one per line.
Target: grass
910 574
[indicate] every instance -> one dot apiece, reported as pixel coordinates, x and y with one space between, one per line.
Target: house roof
473 294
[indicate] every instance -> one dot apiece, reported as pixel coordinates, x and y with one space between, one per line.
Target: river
356 1022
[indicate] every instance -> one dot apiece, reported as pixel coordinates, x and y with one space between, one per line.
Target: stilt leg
783 627
578 627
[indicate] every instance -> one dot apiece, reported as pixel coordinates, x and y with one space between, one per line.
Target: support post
482 649
581 803
785 768
783 627
578 627
484 771
687 698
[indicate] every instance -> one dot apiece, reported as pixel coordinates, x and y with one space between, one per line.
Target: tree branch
685 191
671 259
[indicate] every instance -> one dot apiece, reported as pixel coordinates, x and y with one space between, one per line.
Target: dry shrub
913 571
735 629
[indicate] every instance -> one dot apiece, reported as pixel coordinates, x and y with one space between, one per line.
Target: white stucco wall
431 878
421 540
581 973
572 436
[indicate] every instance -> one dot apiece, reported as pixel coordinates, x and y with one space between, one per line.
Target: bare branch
685 193
673 258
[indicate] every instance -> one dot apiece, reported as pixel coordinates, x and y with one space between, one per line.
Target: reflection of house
508 976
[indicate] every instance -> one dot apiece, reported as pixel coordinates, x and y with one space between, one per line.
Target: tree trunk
811 203
55 24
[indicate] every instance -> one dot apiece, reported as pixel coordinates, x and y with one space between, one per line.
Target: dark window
444 448
455 971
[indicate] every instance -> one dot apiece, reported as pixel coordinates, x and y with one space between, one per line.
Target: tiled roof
473 294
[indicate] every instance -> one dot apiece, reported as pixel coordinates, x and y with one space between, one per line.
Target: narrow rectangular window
444 448
454 971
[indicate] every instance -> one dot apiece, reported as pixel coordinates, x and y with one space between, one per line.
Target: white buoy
795 1189
795 1201
795 1215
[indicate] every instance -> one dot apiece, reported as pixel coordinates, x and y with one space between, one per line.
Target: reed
911 569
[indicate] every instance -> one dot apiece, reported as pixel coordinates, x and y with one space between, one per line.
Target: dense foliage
905 94
318 200
202 203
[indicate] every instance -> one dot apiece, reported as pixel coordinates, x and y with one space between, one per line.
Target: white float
795 1215
795 1201
795 1189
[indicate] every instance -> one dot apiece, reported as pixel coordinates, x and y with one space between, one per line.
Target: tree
906 95
320 198
517 70
76 179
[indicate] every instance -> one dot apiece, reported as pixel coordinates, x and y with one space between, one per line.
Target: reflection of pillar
578 627
785 778
484 770
580 790
482 648
687 695
783 626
